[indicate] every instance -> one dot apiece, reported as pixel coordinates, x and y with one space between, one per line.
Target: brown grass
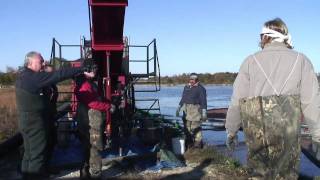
8 114
8 111
206 163
64 96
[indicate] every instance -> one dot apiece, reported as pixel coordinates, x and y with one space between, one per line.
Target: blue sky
192 36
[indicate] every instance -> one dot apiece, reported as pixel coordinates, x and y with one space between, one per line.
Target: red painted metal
106 25
109 2
122 80
107 21
114 47
74 101
108 114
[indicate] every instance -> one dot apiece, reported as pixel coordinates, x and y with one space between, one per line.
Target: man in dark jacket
31 108
194 106
51 95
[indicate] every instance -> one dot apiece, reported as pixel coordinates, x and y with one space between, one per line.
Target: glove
316 148
89 74
178 111
204 115
112 108
232 141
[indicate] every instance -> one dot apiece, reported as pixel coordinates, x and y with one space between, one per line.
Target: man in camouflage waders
90 117
194 106
275 87
31 106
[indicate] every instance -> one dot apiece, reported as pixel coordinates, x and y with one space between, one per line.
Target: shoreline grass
9 114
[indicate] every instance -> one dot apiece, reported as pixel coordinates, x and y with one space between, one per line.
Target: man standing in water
273 87
194 106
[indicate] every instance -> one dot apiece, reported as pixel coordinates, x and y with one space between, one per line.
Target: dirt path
204 163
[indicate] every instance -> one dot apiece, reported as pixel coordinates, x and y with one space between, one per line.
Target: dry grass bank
206 163
8 111
8 114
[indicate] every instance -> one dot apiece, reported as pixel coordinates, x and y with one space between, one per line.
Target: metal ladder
150 77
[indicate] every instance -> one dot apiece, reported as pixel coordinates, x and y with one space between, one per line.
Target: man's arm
45 79
310 99
240 90
203 98
182 98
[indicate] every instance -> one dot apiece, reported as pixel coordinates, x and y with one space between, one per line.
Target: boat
216 119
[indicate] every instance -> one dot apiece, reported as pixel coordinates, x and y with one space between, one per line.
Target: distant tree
206 78
170 81
58 63
10 69
9 77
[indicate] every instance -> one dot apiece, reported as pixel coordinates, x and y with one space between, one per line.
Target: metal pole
81 46
53 55
147 60
108 97
60 53
154 58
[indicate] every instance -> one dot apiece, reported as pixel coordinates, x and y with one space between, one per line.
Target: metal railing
58 60
57 49
155 104
151 60
151 75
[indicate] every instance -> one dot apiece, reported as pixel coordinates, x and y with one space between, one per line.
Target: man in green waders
194 106
275 87
90 115
31 103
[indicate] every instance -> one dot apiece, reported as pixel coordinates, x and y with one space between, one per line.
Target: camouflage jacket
277 70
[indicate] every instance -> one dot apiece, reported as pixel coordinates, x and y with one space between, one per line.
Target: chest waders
31 119
90 124
272 130
192 125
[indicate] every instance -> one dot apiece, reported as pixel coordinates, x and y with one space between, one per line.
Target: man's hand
204 115
178 111
89 74
112 108
232 141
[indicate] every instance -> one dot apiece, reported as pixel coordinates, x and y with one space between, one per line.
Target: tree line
9 77
205 78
